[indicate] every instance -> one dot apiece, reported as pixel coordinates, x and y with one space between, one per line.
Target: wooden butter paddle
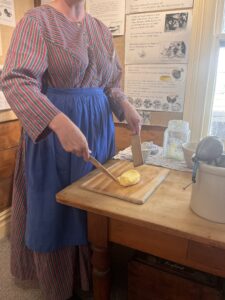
136 150
98 165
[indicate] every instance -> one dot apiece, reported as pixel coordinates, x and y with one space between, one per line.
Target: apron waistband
76 91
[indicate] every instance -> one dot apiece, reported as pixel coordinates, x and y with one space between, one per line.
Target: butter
165 78
129 177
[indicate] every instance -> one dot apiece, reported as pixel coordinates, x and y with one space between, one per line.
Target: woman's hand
132 117
70 136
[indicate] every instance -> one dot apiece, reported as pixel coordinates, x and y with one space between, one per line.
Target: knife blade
136 150
98 165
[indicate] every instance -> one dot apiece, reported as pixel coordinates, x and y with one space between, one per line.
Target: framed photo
37 2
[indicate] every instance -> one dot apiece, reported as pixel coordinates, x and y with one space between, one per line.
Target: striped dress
47 48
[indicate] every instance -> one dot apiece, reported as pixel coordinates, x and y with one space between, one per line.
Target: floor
10 289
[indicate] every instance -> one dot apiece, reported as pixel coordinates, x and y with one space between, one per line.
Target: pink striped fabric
47 47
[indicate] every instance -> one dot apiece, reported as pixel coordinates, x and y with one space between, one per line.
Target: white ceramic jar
208 193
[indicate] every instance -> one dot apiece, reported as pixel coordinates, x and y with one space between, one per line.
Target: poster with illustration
136 6
7 13
3 102
160 37
111 13
156 87
45 1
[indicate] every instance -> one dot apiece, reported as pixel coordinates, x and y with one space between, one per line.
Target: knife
136 150
98 165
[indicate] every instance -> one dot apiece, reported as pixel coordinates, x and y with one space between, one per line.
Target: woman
61 77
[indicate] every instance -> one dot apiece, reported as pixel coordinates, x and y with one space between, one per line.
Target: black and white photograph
177 74
176 22
145 116
7 13
175 49
158 37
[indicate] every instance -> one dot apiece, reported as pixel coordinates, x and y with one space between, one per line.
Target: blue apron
49 169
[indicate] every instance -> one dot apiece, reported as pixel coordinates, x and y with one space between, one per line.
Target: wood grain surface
168 209
99 166
9 134
151 177
5 193
136 150
9 139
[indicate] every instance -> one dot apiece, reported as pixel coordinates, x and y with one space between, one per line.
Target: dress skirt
49 240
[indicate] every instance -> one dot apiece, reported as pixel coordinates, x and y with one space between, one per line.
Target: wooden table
164 226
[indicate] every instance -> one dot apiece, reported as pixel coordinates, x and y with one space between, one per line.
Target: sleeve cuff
40 130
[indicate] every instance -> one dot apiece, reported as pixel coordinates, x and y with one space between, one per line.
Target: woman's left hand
132 117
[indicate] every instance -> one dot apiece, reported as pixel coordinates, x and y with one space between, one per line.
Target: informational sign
45 1
135 6
160 37
156 87
111 13
7 13
3 103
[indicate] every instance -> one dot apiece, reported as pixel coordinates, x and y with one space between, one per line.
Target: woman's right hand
70 136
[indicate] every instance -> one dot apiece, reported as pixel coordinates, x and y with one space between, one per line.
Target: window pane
218 113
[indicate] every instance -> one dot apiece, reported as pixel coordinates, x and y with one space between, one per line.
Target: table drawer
147 240
208 258
168 281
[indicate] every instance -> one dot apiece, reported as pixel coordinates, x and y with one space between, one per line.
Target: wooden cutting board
151 177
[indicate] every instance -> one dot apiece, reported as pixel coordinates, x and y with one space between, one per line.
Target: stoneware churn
208 188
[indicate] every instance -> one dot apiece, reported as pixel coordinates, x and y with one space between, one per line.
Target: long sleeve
25 64
113 89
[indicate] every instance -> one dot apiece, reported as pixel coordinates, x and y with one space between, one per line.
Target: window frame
203 58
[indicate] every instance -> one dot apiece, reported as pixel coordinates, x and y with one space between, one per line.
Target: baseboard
5 223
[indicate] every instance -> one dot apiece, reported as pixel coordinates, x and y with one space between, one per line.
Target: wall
21 6
149 133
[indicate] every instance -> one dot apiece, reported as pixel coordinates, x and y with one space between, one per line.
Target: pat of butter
165 78
129 177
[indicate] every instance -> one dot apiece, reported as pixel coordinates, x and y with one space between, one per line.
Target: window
204 107
217 121
217 124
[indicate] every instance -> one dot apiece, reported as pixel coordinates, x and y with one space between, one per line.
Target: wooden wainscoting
148 133
9 139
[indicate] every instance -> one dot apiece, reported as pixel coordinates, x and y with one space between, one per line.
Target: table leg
98 236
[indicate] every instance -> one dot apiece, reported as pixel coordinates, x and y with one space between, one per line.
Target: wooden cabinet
9 139
153 278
